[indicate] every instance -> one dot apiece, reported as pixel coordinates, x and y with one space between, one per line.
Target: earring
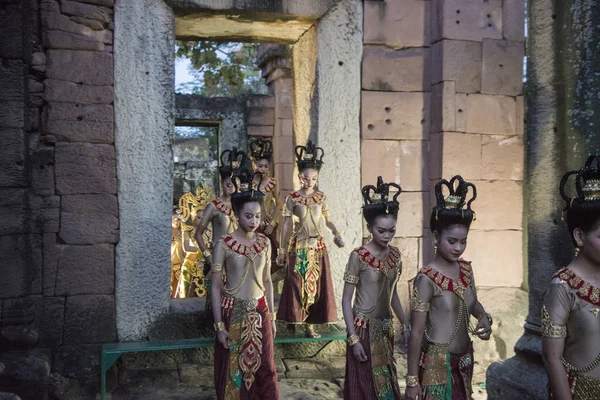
434 250
370 237
576 252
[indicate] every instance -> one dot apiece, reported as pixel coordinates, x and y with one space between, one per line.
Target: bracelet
489 317
206 253
280 251
412 380
352 340
273 316
219 326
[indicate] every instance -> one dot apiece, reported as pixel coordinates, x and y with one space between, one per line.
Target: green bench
111 352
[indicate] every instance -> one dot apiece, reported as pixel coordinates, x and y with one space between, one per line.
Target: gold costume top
244 266
308 213
449 308
375 281
222 218
570 310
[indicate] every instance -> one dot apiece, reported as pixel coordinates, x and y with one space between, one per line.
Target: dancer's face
309 177
227 186
452 242
591 243
262 167
249 216
383 230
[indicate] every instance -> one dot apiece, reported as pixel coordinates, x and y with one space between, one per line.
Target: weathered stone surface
12 158
90 319
506 255
492 198
11 42
397 24
380 158
459 61
410 249
27 373
84 67
513 19
13 203
89 219
261 101
80 123
44 217
387 115
266 131
12 114
502 68
494 115
471 20
414 168
283 147
77 361
85 168
411 214
42 171
12 82
78 9
506 380
502 157
105 3
69 92
17 274
385 69
443 110
51 254
72 41
284 127
52 321
261 116
454 147
84 270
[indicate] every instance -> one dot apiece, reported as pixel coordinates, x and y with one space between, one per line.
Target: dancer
261 154
373 271
244 358
570 307
307 294
440 351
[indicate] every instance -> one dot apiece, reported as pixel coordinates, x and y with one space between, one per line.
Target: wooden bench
111 352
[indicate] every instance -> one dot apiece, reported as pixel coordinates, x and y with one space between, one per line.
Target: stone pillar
562 114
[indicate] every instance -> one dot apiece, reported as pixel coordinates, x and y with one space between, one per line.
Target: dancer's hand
269 229
274 328
280 260
483 330
339 242
359 352
224 338
413 393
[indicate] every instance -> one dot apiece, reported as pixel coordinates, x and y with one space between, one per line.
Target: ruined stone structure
413 90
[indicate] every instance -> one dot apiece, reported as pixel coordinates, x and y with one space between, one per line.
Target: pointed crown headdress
587 182
309 156
260 149
378 197
232 160
458 190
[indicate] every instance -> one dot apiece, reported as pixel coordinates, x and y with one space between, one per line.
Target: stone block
497 256
283 105
435 156
397 24
380 158
264 131
69 92
85 270
458 61
461 154
411 216
386 69
467 20
261 101
502 157
90 319
44 217
52 321
414 165
513 19
283 127
283 149
26 374
105 3
12 82
460 102
493 115
12 114
409 248
286 177
261 116
42 171
80 123
89 219
389 115
17 273
89 11
72 41
80 361
492 198
11 25
12 158
83 168
443 109
502 68
13 206
82 67
520 118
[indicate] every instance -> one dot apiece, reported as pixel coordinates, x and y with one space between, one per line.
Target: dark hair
230 161
260 149
377 203
583 210
309 156
245 192
450 210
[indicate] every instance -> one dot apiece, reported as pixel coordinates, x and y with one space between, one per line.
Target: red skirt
307 295
253 375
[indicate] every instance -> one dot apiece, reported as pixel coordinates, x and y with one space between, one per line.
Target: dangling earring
577 249
370 237
434 250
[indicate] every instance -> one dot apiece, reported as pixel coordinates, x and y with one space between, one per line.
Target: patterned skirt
444 375
582 387
246 370
376 378
307 295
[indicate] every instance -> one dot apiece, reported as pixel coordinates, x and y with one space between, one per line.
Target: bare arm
552 351
398 310
267 282
347 308
217 280
351 278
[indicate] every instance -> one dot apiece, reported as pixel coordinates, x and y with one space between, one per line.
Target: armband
551 329
217 267
351 279
416 304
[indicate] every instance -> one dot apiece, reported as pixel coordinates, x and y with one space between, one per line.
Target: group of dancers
245 252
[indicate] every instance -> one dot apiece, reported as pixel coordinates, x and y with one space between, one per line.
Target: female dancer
570 320
440 362
307 294
261 153
244 363
373 270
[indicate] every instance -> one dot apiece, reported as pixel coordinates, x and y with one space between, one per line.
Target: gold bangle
280 251
352 340
412 380
206 253
219 326
489 317
273 316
